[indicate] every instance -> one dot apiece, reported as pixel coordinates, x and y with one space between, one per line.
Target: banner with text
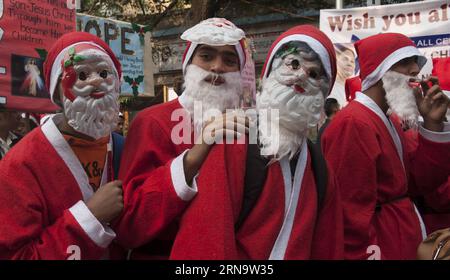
127 42
426 23
27 31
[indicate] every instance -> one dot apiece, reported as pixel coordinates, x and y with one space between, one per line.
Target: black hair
330 105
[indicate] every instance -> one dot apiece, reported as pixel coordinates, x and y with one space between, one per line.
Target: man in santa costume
57 194
272 207
165 147
376 167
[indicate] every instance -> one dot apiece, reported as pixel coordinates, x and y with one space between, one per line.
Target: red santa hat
316 40
81 41
352 85
214 32
378 53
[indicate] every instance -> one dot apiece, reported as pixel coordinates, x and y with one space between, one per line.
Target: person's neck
65 128
378 95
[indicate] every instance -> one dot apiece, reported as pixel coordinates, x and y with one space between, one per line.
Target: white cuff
438 137
182 189
101 235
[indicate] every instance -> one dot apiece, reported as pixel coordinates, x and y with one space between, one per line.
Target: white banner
426 23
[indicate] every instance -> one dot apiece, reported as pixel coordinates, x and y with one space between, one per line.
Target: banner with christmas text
27 31
426 23
127 41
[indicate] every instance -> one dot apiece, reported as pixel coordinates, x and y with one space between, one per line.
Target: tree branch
163 14
142 6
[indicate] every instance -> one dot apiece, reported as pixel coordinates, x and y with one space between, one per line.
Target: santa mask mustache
400 98
215 92
88 89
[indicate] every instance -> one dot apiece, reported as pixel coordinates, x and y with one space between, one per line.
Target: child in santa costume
165 150
376 167
58 195
273 201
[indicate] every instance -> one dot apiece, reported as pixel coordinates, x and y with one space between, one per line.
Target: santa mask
295 88
400 98
214 92
90 85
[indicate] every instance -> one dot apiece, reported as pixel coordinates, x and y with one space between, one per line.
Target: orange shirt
92 156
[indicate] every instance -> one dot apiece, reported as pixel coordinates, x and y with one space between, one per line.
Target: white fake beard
400 98
93 117
212 98
297 113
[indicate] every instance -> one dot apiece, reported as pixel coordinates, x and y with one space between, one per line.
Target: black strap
118 141
256 173
255 177
319 167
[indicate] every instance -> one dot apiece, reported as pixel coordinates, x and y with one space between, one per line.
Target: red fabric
371 55
70 39
352 85
207 228
37 189
152 207
360 150
311 31
441 68
439 201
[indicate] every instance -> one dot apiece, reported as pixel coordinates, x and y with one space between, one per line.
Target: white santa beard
400 97
212 98
296 114
93 117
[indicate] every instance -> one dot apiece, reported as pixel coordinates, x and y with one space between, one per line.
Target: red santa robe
434 206
439 202
42 201
376 171
152 172
283 224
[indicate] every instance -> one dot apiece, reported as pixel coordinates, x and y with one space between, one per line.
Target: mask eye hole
295 64
104 74
82 76
313 74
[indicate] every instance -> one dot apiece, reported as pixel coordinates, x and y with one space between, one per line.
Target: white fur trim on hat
389 61
214 32
312 43
57 69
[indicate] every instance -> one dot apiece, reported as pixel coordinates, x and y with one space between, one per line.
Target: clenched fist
107 202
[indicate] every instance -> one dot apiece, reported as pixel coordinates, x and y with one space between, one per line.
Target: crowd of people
198 178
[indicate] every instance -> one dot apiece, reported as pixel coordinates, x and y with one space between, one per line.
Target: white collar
369 103
56 139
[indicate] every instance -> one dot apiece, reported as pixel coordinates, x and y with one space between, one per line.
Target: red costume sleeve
430 165
150 200
207 227
25 232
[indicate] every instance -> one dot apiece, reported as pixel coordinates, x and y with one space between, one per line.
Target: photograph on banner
426 23
128 44
27 77
27 31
